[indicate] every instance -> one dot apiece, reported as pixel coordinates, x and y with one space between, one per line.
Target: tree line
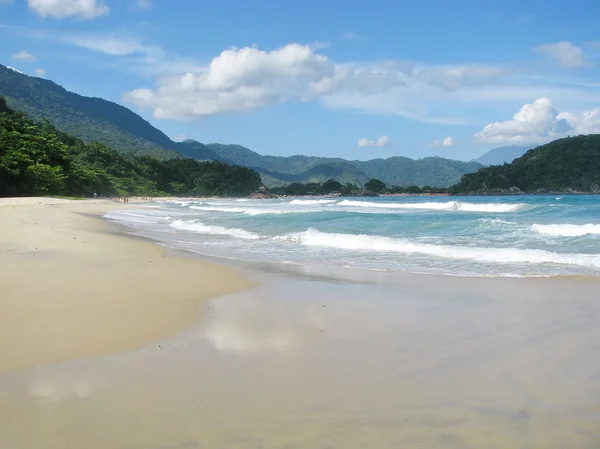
349 189
37 159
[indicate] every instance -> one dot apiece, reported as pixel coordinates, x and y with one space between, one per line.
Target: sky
358 80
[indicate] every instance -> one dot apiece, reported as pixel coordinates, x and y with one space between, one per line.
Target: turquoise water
482 236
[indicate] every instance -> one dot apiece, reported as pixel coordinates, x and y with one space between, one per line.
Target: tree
375 185
331 186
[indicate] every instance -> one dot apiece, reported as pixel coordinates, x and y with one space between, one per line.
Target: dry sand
70 289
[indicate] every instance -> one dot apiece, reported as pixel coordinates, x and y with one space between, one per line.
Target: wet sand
69 289
303 362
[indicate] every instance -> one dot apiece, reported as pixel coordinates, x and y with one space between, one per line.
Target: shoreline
73 290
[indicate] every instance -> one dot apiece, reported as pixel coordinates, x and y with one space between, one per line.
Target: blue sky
357 80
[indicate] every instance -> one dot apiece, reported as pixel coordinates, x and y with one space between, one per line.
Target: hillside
400 171
95 119
89 119
502 155
36 159
429 171
565 165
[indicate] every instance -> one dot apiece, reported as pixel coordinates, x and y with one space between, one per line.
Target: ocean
516 236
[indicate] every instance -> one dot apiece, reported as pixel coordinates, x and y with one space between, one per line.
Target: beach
72 289
195 354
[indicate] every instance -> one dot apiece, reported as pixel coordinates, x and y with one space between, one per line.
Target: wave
253 211
567 230
219 209
449 205
201 228
311 202
361 242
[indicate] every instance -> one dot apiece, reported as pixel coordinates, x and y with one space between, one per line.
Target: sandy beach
107 341
71 289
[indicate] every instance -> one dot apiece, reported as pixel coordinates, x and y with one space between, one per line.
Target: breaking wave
449 205
201 228
567 230
312 237
311 202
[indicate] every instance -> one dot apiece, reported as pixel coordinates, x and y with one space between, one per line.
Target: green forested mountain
89 119
429 171
399 171
565 165
37 159
95 119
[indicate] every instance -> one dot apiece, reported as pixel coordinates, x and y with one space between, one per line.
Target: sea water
470 236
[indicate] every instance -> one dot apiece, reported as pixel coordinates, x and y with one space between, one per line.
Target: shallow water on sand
429 362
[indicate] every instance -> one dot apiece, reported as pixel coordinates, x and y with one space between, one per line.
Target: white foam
311 202
312 237
567 230
201 228
448 205
234 210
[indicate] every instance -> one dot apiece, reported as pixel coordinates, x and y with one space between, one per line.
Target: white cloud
382 141
447 142
144 4
566 54
60 9
24 56
112 44
455 77
354 37
238 80
180 138
539 122
40 73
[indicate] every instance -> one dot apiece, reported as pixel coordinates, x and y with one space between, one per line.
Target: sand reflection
311 364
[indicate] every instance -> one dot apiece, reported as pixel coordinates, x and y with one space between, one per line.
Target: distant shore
70 289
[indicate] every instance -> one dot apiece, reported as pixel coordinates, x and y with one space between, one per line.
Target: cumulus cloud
539 122
238 80
60 9
447 142
566 54
24 56
381 141
40 73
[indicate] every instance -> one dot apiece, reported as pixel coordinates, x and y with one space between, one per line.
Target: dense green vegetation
89 119
330 186
404 172
334 187
400 171
37 159
565 165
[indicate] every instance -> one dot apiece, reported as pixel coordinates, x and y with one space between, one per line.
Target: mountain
95 119
89 119
400 171
501 155
429 171
566 165
36 159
